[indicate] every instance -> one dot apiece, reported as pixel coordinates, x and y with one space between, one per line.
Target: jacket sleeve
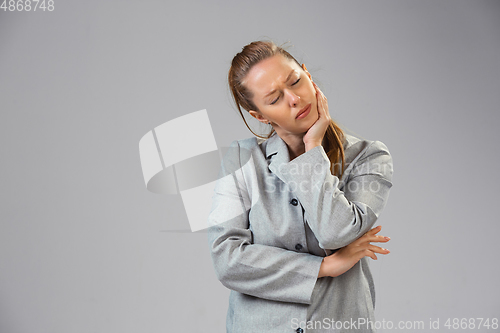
254 269
338 217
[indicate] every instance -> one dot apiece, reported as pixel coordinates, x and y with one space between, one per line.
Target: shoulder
239 152
252 145
356 148
248 143
364 155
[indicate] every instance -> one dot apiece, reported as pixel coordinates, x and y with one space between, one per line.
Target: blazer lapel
277 151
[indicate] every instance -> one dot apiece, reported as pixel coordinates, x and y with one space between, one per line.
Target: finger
370 254
320 94
367 238
378 249
316 89
373 231
367 242
377 238
322 102
319 90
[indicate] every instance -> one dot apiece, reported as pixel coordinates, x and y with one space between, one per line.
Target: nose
294 99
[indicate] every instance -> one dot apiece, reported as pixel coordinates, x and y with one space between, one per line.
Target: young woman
292 215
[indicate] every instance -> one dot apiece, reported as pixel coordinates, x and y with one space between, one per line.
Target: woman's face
282 91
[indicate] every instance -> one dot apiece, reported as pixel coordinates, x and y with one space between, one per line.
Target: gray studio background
84 247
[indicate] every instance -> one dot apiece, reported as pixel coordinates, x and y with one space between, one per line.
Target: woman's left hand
343 259
315 134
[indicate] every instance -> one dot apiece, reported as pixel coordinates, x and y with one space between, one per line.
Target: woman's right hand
342 260
315 134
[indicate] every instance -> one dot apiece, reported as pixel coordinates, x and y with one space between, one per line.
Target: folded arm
338 217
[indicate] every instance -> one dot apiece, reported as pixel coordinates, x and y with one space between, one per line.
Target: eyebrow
274 90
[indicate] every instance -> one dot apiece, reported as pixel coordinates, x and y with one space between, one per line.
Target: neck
295 144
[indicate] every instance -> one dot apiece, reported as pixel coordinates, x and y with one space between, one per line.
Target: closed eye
277 98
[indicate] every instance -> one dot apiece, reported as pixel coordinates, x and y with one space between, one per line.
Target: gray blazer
273 220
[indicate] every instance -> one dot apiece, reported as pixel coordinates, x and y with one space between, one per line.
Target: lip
304 112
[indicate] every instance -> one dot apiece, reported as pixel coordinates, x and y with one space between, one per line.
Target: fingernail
388 238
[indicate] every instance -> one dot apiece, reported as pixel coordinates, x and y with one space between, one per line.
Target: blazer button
298 247
294 202
299 330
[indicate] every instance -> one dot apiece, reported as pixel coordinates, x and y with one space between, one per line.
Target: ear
305 70
258 116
